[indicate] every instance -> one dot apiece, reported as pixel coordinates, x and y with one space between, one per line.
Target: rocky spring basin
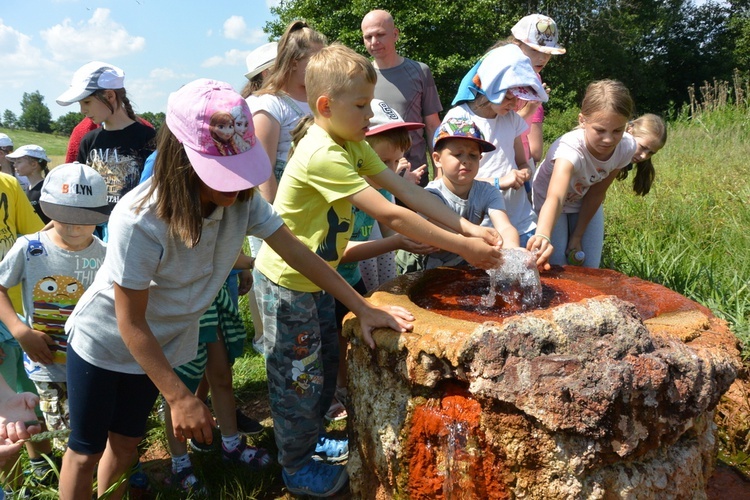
607 390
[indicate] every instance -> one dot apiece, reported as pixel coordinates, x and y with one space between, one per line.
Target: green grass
54 145
690 233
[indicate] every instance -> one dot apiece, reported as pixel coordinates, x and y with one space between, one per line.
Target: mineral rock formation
598 397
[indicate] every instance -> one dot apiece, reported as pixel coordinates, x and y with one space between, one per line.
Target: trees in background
35 115
658 48
10 120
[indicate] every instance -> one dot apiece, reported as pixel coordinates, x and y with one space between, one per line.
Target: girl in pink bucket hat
173 241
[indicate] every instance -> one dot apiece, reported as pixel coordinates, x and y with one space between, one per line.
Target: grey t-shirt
182 282
410 89
53 280
483 199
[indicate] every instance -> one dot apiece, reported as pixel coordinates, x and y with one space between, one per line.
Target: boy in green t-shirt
322 181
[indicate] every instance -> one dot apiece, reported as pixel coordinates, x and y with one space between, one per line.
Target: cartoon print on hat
454 128
546 30
215 126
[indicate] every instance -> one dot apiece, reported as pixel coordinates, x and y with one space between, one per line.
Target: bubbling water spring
516 281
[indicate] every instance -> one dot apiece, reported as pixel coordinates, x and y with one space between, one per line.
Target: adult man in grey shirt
406 85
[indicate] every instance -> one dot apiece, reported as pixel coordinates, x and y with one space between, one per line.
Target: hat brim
19 153
525 93
555 51
228 174
251 74
78 216
484 146
379 129
72 96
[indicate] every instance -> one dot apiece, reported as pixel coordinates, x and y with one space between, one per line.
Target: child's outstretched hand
36 345
481 254
394 317
487 234
543 247
14 411
404 170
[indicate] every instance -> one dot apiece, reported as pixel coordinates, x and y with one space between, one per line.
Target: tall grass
691 233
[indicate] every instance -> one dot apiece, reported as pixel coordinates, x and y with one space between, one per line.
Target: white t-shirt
502 131
182 282
287 112
587 170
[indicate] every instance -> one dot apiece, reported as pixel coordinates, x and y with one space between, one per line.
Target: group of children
139 327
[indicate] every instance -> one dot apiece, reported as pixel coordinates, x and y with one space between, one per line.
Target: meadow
691 233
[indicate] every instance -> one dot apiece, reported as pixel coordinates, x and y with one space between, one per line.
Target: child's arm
191 419
245 263
356 251
553 205
34 343
428 204
268 131
477 252
590 203
521 161
301 258
502 224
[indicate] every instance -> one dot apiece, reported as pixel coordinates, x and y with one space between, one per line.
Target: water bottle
576 257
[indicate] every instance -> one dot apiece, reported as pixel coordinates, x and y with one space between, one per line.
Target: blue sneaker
316 479
331 450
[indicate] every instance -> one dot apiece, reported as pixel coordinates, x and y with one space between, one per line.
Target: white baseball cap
5 141
74 193
538 32
261 59
29 150
91 77
386 118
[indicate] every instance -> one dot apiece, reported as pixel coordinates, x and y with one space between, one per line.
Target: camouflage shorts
53 401
302 358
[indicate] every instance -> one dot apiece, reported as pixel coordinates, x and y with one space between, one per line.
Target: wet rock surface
591 396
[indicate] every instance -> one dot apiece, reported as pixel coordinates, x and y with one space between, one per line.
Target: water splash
515 282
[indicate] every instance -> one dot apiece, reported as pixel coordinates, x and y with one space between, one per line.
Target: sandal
336 412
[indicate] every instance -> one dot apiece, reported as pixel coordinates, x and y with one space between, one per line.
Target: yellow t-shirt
17 217
312 201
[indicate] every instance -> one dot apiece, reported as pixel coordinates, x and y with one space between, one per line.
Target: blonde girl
571 182
650 133
282 100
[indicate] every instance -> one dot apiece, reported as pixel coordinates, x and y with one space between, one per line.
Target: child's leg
559 238
118 458
593 239
301 365
219 375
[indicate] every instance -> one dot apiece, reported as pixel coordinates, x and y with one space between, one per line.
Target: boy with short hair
321 183
458 147
54 267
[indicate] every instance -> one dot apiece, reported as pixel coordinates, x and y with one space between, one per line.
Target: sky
160 44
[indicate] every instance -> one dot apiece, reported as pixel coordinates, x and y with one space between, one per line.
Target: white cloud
232 57
22 61
166 74
272 3
235 28
98 38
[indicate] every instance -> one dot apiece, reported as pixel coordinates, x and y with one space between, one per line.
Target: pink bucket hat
215 126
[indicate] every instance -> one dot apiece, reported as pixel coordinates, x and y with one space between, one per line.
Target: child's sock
231 442
180 463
